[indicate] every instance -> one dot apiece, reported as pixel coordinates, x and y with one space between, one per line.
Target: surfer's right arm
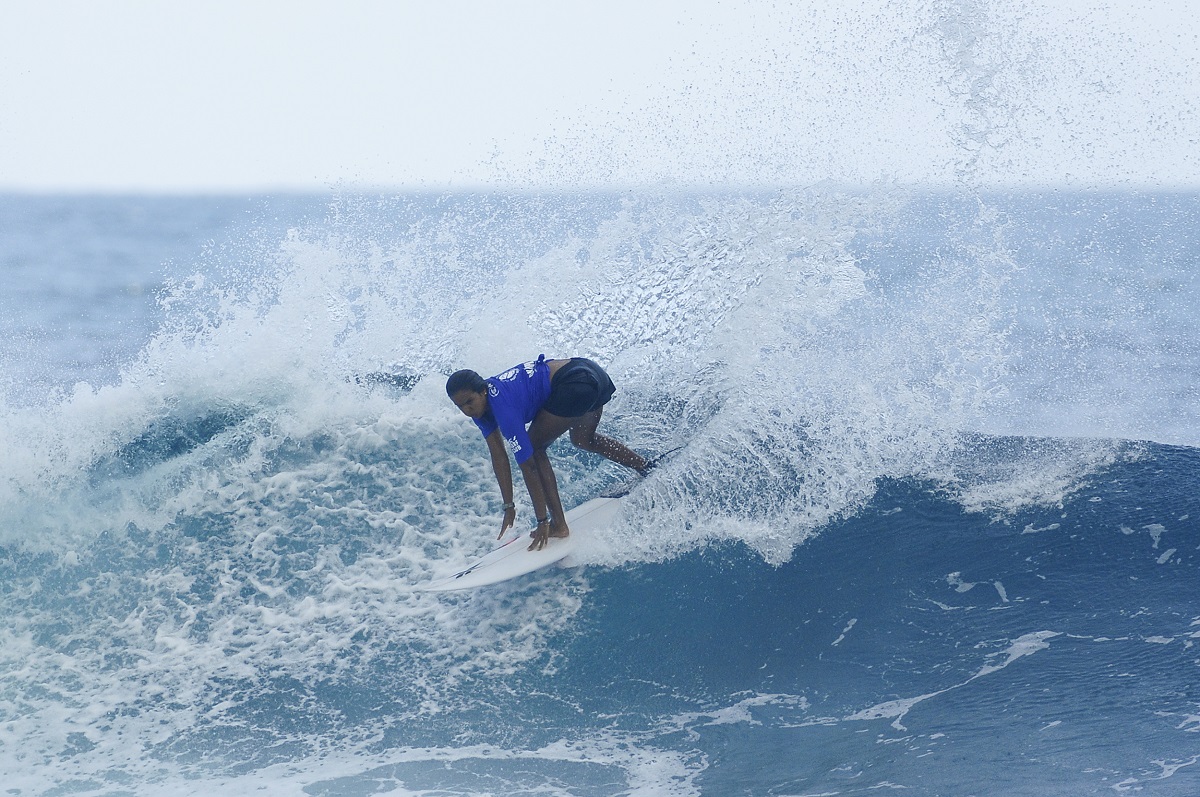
503 470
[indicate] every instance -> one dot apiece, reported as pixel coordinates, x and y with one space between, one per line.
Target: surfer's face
472 404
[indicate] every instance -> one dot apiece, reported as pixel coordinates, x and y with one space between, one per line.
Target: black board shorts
577 388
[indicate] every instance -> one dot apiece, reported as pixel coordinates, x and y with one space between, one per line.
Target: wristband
542 520
508 505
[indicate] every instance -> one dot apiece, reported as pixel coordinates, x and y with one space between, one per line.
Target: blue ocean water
933 528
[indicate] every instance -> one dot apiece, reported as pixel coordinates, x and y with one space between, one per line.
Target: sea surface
933 528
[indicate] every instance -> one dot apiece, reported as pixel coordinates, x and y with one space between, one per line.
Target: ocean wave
209 565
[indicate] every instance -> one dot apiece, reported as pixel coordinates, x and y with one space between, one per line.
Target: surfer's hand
541 535
510 517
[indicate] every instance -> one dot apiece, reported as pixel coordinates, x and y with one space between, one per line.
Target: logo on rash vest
529 368
514 445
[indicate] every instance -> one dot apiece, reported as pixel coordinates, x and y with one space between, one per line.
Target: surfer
552 397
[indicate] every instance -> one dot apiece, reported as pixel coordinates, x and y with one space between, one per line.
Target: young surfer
552 397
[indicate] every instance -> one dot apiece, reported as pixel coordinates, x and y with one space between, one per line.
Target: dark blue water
932 529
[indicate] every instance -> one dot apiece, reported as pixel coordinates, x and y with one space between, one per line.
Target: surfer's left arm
503 471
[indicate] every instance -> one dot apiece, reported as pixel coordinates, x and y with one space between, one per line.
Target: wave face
932 524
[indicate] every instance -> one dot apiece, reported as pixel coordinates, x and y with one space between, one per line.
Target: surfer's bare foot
650 464
543 533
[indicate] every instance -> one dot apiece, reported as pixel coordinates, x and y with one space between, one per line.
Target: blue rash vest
514 398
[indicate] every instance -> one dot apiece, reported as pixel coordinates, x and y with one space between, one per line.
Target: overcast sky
307 95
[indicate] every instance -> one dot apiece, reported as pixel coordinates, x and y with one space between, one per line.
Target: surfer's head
468 391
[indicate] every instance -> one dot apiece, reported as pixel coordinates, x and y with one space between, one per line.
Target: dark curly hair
465 380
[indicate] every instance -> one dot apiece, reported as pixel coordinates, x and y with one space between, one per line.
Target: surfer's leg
545 429
583 435
558 522
548 427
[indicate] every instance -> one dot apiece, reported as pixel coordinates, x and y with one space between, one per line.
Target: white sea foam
745 328
896 710
597 764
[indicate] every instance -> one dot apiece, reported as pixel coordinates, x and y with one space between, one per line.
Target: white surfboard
513 558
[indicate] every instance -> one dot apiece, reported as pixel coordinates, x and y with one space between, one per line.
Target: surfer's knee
584 440
583 432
